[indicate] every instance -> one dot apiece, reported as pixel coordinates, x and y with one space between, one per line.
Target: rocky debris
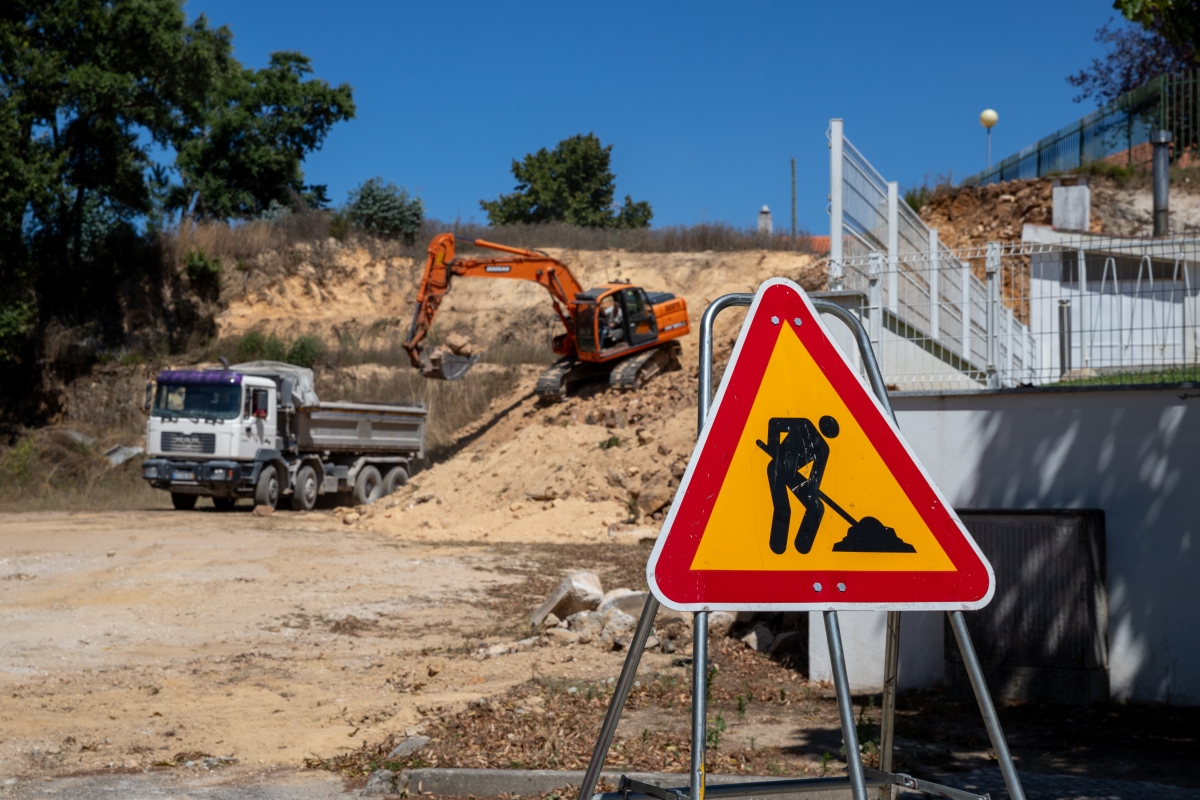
631 534
719 623
626 600
618 629
558 635
461 345
351 518
410 745
263 511
586 625
579 591
551 621
759 638
506 647
380 782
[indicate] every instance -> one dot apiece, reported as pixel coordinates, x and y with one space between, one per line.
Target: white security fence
1089 309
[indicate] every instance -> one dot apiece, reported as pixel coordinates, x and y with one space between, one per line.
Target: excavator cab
610 318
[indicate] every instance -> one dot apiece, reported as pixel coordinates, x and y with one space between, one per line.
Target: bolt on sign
802 494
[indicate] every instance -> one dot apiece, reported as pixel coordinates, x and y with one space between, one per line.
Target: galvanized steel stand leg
992 722
891 670
620 694
699 701
841 685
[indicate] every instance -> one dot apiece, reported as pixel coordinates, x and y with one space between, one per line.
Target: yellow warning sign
801 492
738 533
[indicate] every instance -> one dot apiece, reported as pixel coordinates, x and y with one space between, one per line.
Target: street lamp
987 119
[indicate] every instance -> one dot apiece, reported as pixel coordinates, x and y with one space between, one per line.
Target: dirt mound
971 216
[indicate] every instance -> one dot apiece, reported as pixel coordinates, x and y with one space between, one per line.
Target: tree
1163 43
1176 21
571 183
87 87
247 147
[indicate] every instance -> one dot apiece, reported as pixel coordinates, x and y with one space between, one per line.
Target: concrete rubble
579 591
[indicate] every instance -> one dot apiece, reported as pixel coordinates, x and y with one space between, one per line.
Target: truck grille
173 442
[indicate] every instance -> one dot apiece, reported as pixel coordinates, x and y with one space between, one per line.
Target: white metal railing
929 295
1099 311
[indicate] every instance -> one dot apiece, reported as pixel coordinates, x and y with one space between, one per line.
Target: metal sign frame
859 778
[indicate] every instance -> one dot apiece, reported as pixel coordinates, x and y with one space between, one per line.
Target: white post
1009 346
1085 355
875 301
836 162
992 268
893 245
965 278
935 298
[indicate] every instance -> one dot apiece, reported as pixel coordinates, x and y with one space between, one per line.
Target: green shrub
385 211
249 346
305 351
203 272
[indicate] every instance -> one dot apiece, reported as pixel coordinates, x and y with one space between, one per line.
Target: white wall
863 635
1134 453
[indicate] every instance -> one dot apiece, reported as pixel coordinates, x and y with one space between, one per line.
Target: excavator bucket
446 366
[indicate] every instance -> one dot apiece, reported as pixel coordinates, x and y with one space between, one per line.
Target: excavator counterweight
616 329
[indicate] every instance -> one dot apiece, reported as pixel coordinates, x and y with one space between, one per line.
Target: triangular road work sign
801 492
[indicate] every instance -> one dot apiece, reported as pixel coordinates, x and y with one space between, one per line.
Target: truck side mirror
149 396
285 393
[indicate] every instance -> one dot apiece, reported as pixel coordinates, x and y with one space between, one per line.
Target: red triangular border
677 586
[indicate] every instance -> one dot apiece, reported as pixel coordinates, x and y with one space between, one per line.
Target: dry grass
670 239
233 243
46 469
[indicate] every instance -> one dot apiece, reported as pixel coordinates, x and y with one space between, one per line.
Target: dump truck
258 431
616 330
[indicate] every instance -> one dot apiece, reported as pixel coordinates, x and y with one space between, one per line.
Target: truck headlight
149 472
220 474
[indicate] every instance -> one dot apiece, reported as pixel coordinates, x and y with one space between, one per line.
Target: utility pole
793 203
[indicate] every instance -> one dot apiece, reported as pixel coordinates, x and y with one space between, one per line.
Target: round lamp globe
988 118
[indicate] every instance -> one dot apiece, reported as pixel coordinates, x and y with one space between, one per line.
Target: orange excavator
616 329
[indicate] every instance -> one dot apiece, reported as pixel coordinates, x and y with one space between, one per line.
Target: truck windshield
197 400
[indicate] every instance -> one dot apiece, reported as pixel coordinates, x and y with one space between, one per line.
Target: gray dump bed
362 428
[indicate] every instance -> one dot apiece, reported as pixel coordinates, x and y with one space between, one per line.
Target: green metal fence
1117 134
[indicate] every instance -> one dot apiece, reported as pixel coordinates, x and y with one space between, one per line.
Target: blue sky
705 103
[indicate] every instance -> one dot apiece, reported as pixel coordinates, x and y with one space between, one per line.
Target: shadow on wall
1133 453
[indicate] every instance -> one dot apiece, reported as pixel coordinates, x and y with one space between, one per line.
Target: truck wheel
368 486
266 493
224 503
183 502
396 477
305 495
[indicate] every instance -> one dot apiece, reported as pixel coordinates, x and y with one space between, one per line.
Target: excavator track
633 372
552 384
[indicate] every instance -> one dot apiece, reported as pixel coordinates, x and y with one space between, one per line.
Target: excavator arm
442 264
